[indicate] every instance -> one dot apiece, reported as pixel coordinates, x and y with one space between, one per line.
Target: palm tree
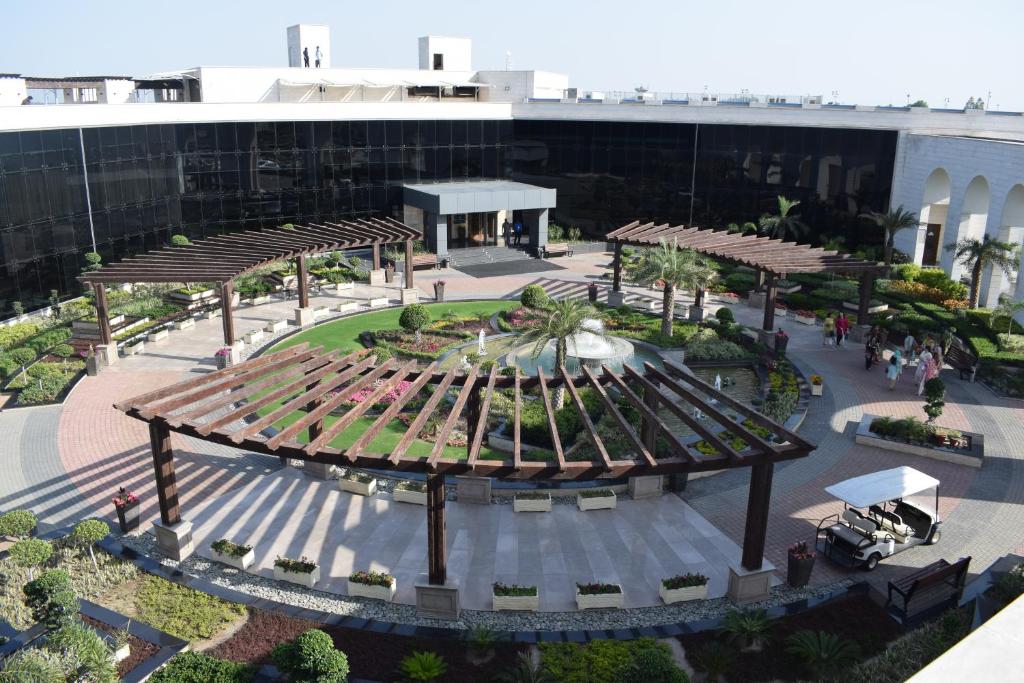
563 319
783 225
1009 308
979 254
891 222
673 268
744 229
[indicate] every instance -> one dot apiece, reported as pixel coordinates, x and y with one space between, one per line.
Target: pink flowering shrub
387 399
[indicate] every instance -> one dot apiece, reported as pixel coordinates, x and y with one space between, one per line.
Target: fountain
590 348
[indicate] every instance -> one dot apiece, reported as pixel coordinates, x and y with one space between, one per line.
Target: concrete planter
817 389
320 311
212 313
345 286
307 579
361 590
596 503
122 653
379 302
531 504
195 296
601 601
358 487
159 335
243 562
672 595
253 336
347 307
971 458
135 349
525 603
256 301
276 326
805 320
791 289
781 312
877 308
185 324
414 497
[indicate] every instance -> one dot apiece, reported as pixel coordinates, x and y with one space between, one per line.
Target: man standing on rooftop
318 55
305 57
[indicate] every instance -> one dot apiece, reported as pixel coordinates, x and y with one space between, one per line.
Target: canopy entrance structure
772 258
292 404
223 258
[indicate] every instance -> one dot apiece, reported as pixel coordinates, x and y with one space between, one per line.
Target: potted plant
532 502
780 310
800 563
357 483
805 317
683 587
127 505
596 499
817 385
515 597
414 492
439 289
233 554
223 357
370 584
598 595
301 571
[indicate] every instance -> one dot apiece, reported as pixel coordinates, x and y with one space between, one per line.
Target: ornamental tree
88 533
17 523
414 318
51 598
31 553
935 398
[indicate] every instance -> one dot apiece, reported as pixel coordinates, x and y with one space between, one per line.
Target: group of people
835 329
927 353
512 234
317 55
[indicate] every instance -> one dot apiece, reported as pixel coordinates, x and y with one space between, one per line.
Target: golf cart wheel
872 562
936 535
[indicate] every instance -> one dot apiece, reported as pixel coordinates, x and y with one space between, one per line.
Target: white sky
871 51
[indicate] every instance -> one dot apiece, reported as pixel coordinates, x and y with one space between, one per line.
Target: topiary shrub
934 396
17 523
534 296
31 553
311 658
414 318
725 315
195 667
382 354
63 350
51 598
22 355
179 241
654 666
88 533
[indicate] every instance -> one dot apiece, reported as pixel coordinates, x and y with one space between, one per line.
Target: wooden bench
962 360
927 591
550 250
429 260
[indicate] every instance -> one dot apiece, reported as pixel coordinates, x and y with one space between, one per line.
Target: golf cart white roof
878 487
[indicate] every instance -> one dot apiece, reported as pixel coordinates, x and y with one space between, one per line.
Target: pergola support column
410 294
436 596
751 581
315 468
867 285
615 297
771 292
173 535
227 292
106 350
303 314
376 272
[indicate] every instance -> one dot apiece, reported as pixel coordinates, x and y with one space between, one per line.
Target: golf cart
877 519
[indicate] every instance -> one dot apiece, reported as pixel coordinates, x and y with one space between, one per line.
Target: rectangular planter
805 320
347 307
414 497
877 308
157 336
256 301
185 324
602 601
135 349
195 296
526 603
379 302
817 389
253 337
781 312
320 311
671 595
243 562
973 458
531 505
308 580
345 286
792 289
361 590
358 487
276 326
212 313
599 503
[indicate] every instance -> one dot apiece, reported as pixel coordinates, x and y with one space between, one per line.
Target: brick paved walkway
65 462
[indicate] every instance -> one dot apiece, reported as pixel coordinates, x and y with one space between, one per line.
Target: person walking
318 55
870 351
909 349
892 370
931 371
305 57
506 232
922 365
842 328
518 232
828 330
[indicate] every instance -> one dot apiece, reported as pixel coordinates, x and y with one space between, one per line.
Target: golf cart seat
860 522
892 523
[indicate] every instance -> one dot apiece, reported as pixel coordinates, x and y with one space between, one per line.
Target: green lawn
344 334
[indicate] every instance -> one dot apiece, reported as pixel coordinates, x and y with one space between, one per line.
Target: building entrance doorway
931 244
472 230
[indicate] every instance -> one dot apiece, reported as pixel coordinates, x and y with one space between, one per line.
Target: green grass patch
181 611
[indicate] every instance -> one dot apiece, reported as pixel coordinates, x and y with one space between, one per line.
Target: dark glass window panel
393 133
460 134
10 143
378 174
490 133
376 133
474 162
357 131
49 140
428 133
442 133
116 223
474 132
285 131
340 133
321 135
266 136
33 160
443 163
412 164
376 155
245 136
378 199
12 163
133 224
410 133
303 135
31 141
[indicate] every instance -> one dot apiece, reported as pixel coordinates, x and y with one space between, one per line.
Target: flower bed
232 554
513 597
596 499
598 595
531 502
910 435
683 587
374 585
302 571
431 345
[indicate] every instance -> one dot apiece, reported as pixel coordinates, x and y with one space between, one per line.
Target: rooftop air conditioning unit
571 93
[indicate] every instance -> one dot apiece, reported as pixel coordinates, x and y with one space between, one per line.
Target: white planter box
135 349
243 562
853 306
185 324
196 296
806 320
598 503
345 286
308 580
320 311
276 326
671 595
157 336
212 313
253 336
792 289
531 505
816 389
357 487
379 302
530 603
261 300
780 312
361 590
122 653
414 497
602 601
287 281
347 307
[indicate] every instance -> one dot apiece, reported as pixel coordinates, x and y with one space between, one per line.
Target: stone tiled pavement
97 448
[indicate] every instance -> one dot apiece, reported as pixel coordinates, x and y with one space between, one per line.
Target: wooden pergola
771 257
222 259
252 406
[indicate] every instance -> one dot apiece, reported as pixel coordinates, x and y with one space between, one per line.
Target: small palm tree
1009 308
743 229
562 319
784 225
673 268
825 654
746 626
891 222
979 254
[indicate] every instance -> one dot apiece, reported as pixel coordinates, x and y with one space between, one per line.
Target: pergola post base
107 354
410 295
755 299
316 470
437 601
304 316
646 487
174 540
616 299
377 278
476 490
749 585
696 313
859 333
